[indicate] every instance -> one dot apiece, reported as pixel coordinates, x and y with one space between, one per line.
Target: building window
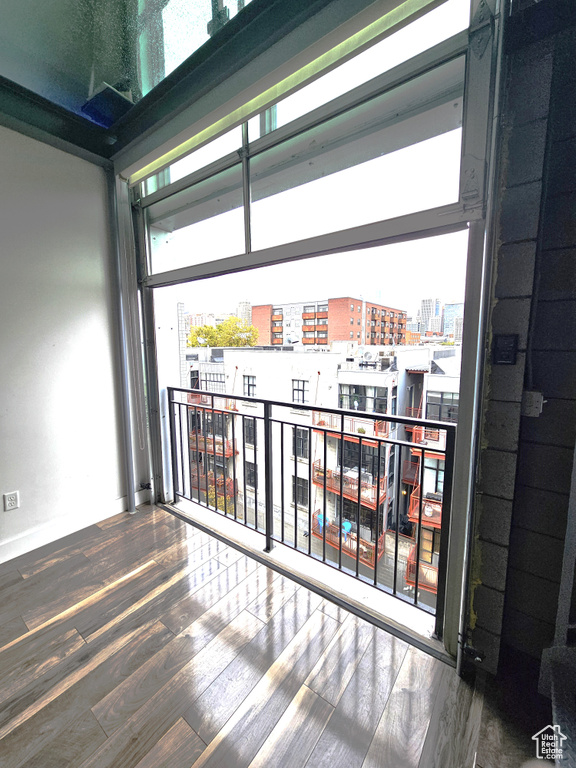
309 308
322 321
249 386
213 382
309 334
359 308
301 442
322 334
277 311
433 476
358 335
250 474
442 406
394 402
351 307
322 307
277 324
249 430
357 397
359 321
300 491
299 391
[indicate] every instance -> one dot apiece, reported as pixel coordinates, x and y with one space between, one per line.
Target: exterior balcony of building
206 480
322 315
309 327
212 403
427 573
213 444
349 484
368 552
431 508
308 315
277 317
432 438
362 427
410 472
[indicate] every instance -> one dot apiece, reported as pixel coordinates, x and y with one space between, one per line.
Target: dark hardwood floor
144 642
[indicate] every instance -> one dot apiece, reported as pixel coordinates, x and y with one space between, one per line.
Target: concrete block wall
525 463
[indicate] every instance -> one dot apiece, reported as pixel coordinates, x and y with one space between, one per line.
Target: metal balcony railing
346 483
275 468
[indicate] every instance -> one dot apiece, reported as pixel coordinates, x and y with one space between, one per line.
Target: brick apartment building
317 323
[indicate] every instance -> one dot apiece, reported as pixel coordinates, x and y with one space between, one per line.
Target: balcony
279 467
431 509
410 472
355 425
427 574
207 481
213 444
368 552
308 315
346 484
435 439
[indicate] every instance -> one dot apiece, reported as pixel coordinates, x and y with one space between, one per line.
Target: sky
397 275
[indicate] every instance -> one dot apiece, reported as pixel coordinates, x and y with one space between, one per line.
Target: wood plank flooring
142 642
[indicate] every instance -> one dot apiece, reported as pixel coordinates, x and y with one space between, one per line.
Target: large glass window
201 223
394 155
442 406
357 397
213 382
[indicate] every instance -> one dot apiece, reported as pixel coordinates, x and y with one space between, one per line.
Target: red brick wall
262 320
339 315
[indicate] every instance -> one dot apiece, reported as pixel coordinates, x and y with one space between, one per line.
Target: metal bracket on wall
481 29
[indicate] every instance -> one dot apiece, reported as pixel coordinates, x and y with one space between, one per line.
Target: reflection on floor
143 642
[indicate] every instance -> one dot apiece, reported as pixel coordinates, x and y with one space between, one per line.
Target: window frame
304 390
473 211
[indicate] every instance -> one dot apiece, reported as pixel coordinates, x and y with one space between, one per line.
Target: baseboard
55 529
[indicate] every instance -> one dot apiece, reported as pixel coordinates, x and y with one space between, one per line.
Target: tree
233 332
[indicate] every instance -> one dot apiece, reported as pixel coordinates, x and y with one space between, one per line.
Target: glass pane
209 153
434 27
202 223
397 154
171 31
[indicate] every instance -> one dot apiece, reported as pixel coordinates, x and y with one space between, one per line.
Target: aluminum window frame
482 45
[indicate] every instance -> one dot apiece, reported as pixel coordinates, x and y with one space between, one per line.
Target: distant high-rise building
435 324
244 311
458 325
451 312
429 308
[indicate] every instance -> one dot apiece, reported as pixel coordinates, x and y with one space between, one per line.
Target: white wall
59 394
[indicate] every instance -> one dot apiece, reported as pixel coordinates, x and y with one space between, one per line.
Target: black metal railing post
173 441
445 528
269 515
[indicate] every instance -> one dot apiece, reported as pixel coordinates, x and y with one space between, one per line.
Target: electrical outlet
11 501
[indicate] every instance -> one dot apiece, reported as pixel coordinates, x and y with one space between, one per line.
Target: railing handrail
391 418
